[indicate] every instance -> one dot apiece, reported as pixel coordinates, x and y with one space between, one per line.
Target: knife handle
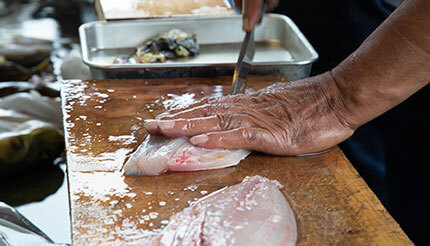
263 10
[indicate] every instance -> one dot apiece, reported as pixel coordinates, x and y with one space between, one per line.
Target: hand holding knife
244 62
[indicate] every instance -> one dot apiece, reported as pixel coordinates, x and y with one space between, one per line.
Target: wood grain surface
104 124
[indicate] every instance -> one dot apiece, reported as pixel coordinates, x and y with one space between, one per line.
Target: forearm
391 65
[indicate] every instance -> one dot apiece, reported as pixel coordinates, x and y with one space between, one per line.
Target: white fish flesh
253 212
158 154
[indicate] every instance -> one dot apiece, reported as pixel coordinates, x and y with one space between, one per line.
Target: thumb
251 14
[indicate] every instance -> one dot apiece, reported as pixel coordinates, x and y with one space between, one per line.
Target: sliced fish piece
158 154
152 155
253 212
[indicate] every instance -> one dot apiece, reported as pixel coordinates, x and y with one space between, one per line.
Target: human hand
252 14
306 116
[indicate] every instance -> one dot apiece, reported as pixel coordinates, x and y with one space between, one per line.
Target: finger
188 127
151 126
192 127
238 5
251 14
216 109
211 106
197 112
257 139
208 100
239 99
271 4
174 111
203 111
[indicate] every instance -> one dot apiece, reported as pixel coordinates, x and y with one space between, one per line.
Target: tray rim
289 22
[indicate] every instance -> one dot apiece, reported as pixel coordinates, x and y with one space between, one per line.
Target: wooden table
104 124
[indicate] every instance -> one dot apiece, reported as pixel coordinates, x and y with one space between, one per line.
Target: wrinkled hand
252 14
284 119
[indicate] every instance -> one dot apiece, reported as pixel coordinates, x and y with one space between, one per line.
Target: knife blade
244 63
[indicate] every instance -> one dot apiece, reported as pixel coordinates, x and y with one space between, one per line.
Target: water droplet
153 215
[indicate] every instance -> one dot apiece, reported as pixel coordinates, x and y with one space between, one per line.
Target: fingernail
199 139
150 125
166 124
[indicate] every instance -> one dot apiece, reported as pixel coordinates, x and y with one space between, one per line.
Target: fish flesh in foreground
253 212
158 154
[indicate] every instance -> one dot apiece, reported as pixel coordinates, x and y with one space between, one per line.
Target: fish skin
158 154
152 155
253 212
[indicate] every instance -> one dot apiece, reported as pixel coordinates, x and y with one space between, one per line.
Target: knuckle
228 121
290 142
222 121
250 137
189 124
218 108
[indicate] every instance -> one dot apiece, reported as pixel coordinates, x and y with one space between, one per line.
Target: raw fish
253 212
36 106
27 144
158 154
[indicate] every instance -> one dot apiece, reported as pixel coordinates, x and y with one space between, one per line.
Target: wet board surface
104 125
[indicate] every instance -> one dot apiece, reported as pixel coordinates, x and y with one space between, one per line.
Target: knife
244 62
243 65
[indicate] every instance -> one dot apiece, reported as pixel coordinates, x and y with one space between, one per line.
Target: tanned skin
316 113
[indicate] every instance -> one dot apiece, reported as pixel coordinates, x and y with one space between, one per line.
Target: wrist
337 100
353 95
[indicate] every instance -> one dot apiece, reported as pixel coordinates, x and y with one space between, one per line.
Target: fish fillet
253 212
158 154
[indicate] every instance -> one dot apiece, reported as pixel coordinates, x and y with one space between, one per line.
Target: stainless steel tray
280 47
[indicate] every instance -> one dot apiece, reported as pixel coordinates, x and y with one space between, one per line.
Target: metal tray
280 47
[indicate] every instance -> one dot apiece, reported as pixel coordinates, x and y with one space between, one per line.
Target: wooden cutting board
104 124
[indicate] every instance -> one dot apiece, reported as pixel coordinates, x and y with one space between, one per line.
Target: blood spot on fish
183 159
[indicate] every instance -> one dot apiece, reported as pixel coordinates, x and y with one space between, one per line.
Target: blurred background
39 45
36 37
